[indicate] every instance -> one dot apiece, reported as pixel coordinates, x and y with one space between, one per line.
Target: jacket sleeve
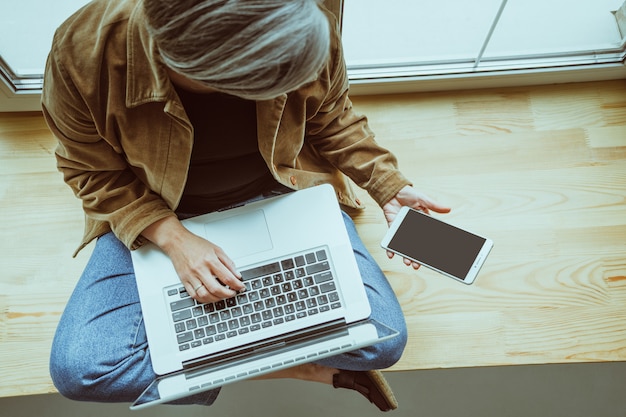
343 137
93 167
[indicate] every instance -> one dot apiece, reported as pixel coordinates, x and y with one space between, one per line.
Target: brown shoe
371 384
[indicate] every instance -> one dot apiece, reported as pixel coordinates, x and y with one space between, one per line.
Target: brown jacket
125 141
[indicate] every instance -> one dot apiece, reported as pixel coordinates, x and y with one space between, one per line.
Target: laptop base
189 382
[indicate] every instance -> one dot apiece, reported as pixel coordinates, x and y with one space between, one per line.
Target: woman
164 110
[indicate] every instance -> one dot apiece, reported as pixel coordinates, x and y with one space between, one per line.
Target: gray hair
254 49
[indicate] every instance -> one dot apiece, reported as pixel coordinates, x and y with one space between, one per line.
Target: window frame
482 71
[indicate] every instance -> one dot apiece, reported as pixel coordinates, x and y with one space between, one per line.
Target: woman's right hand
204 269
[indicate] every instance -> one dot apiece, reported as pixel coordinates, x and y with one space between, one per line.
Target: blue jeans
100 352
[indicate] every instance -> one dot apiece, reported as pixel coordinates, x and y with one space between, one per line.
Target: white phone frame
478 262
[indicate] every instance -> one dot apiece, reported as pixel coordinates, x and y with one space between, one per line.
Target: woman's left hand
409 196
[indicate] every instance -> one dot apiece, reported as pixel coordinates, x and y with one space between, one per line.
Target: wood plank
607 137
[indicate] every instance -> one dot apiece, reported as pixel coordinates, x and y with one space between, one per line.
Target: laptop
304 297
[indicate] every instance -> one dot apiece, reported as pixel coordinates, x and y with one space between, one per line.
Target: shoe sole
384 388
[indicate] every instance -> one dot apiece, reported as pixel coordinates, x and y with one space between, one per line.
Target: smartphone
440 246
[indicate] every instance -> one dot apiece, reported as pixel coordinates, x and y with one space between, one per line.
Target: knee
67 375
398 344
75 372
389 352
386 354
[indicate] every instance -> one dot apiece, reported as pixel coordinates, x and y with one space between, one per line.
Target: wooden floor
540 170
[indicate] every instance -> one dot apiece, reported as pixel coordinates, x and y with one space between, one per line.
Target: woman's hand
205 270
409 196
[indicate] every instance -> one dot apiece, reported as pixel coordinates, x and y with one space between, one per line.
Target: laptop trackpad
240 235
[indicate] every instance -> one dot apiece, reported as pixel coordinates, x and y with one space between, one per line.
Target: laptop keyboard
277 293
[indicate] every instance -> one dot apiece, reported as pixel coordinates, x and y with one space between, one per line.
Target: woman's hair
254 49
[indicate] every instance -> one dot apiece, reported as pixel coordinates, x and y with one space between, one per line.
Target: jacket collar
146 77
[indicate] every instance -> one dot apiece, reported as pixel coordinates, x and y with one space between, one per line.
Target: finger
390 217
226 277
203 295
208 288
226 271
390 254
411 263
215 290
436 207
228 263
197 291
196 287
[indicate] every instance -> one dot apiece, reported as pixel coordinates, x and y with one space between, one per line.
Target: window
405 44
393 45
26 30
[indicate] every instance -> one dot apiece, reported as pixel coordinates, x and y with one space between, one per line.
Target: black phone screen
437 244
